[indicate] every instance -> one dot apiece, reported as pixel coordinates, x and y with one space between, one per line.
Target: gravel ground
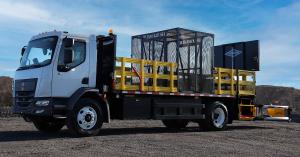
150 138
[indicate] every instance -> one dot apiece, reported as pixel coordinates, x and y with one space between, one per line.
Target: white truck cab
43 61
56 68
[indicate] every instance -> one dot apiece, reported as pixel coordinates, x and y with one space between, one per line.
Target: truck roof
57 33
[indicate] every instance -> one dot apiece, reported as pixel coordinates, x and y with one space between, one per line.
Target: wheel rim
87 118
218 117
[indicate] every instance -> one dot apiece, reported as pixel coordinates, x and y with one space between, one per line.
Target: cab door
71 70
106 57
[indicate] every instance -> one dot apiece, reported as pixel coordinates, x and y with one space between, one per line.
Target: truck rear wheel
175 123
48 125
86 118
216 117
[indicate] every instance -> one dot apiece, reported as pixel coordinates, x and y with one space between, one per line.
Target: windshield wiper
36 66
30 67
21 68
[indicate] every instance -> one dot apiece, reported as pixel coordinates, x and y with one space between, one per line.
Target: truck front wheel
175 123
86 118
48 125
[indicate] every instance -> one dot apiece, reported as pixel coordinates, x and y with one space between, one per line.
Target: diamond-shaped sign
233 53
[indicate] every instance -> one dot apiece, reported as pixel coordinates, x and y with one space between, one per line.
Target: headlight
42 103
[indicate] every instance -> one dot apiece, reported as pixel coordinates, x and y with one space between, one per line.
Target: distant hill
278 95
5 90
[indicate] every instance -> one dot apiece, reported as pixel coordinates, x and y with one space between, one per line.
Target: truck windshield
38 53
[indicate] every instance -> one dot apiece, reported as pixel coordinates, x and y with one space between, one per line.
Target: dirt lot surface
150 138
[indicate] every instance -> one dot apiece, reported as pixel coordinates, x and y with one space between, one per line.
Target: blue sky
275 23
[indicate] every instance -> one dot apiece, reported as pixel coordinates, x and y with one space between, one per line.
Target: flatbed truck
78 81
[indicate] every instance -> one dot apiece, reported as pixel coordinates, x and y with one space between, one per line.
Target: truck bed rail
229 81
160 78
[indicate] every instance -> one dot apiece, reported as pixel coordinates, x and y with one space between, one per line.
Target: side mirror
68 42
68 56
23 50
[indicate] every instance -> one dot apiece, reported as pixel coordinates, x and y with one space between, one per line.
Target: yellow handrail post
172 65
122 73
219 80
142 65
254 83
232 82
244 79
154 72
237 85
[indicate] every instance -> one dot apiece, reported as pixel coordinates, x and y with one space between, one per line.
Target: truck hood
43 76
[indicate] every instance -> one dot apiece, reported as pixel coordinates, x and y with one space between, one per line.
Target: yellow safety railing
247 112
226 81
129 78
247 82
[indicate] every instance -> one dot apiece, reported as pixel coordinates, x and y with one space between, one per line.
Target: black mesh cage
191 50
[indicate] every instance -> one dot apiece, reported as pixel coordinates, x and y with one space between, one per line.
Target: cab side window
79 54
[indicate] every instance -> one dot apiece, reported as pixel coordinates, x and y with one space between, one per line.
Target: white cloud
8 69
281 37
43 16
130 20
290 11
26 12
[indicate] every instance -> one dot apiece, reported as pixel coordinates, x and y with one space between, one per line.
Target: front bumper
56 107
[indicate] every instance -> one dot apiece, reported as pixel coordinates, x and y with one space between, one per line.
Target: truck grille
24 99
24 92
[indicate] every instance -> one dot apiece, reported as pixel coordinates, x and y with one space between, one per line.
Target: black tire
74 126
211 121
175 123
48 125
